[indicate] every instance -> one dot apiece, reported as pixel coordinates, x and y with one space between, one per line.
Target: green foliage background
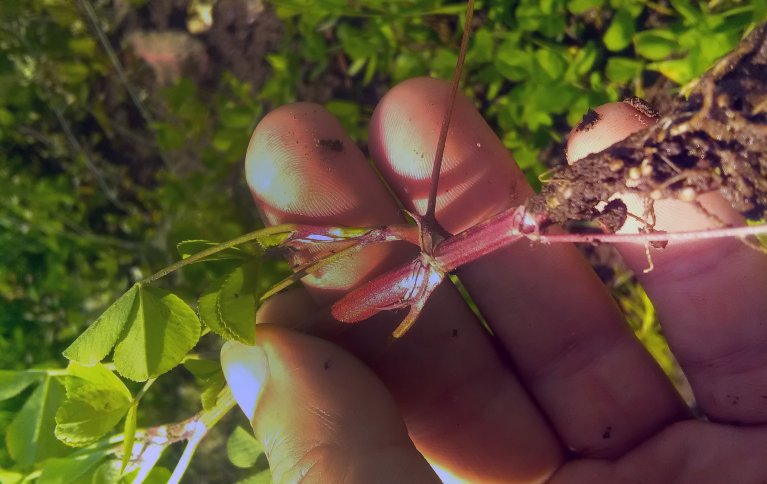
106 164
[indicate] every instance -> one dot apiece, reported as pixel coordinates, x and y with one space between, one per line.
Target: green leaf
242 448
10 477
30 436
686 9
578 7
96 401
618 35
108 473
238 300
622 69
191 247
261 477
211 379
551 63
152 329
129 434
207 306
678 70
71 470
14 382
655 44
162 330
95 343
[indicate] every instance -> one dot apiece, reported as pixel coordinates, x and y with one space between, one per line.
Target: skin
563 392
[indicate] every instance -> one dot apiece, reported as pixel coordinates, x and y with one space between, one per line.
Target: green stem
144 389
215 249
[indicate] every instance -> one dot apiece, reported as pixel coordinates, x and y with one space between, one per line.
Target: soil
715 139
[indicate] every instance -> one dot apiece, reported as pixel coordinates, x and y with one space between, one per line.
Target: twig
119 69
437 166
110 194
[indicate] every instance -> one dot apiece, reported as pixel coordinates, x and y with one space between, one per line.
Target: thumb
321 414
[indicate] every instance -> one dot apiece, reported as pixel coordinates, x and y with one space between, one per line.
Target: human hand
563 391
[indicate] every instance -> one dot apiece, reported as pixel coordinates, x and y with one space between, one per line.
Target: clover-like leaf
29 437
71 470
228 306
97 341
238 300
211 379
14 382
242 448
151 330
96 401
161 331
207 307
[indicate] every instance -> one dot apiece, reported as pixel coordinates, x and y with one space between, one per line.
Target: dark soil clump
715 139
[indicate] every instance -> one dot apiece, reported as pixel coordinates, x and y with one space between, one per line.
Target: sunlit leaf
238 300
95 343
30 435
655 44
96 401
107 473
618 35
151 328
14 382
191 247
71 470
211 379
10 477
622 69
207 306
162 330
129 435
242 448
261 477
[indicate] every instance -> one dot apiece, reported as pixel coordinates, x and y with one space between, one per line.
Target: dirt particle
455 333
608 432
642 106
327 364
588 121
613 216
331 144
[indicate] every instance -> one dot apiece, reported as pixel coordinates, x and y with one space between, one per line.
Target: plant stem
199 427
186 458
215 249
144 389
437 165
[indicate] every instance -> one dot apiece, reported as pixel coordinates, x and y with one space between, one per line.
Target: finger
577 356
448 403
321 415
709 295
686 452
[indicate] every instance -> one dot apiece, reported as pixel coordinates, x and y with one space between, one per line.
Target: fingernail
245 369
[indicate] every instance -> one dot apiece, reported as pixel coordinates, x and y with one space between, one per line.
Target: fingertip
478 178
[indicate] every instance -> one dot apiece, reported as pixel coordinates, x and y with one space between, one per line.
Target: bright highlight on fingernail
245 369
